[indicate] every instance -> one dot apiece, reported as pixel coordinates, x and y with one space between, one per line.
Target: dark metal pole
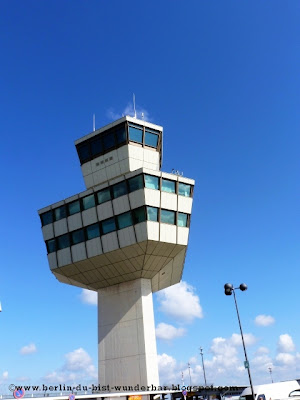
248 365
201 352
189 365
270 369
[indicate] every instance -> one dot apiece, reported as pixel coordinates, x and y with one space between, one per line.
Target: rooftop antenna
94 123
134 105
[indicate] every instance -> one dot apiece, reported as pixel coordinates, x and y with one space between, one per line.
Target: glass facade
167 217
124 220
115 137
152 182
121 136
135 134
84 152
121 221
151 139
184 189
60 213
109 142
108 226
152 213
113 192
135 183
182 219
168 186
51 245
139 215
74 207
96 147
47 218
78 236
92 231
119 189
88 202
63 241
103 196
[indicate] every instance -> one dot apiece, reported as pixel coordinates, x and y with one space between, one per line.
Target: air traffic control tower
124 237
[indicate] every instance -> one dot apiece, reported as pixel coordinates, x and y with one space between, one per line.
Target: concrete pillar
126 335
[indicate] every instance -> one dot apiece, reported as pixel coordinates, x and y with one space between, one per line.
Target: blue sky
222 78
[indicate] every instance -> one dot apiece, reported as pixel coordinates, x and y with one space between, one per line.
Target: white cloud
285 358
89 297
128 110
78 360
193 360
262 350
261 362
180 302
285 344
29 349
168 369
78 367
249 339
264 320
168 332
224 362
4 376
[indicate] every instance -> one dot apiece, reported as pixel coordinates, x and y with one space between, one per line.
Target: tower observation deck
125 237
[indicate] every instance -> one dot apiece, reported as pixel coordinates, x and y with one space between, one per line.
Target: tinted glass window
88 202
103 196
135 183
83 152
92 231
78 236
119 189
74 207
151 139
152 182
96 146
168 186
152 214
51 245
182 219
135 134
121 135
124 220
47 218
184 189
63 241
108 141
167 216
60 213
108 226
139 215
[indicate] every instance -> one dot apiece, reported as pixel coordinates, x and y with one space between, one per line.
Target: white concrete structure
125 237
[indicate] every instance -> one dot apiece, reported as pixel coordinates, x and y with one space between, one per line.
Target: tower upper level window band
112 192
115 137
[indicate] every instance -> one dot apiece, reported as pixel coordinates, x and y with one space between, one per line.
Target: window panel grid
117 222
115 191
116 137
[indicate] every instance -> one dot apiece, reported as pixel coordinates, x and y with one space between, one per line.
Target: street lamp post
189 365
270 370
229 289
201 352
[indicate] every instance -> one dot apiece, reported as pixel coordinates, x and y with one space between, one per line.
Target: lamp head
243 287
228 289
